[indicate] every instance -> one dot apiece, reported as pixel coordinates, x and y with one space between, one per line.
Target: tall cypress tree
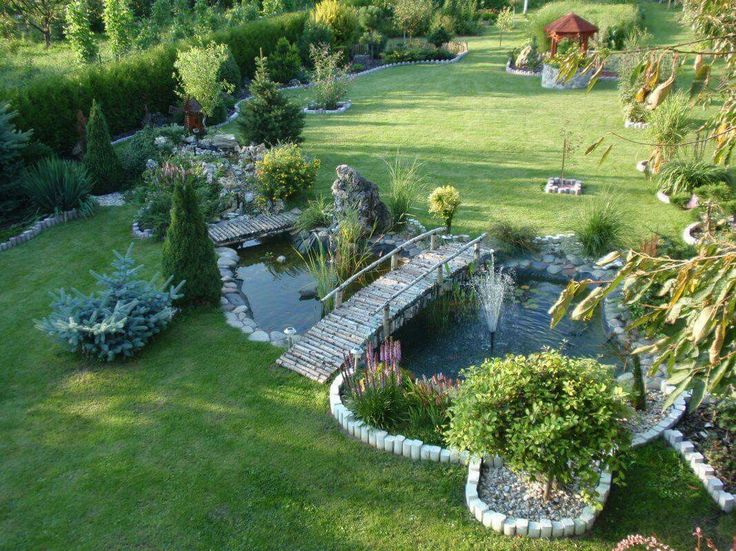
100 159
188 252
269 117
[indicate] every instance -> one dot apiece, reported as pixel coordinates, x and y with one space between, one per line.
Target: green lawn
495 136
200 442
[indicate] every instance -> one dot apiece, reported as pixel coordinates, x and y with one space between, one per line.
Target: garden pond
460 337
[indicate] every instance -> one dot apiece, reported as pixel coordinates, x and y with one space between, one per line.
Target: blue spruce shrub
118 320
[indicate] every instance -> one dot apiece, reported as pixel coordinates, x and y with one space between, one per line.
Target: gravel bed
642 421
513 495
110 200
698 427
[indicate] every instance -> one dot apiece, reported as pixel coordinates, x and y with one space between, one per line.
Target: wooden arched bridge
380 308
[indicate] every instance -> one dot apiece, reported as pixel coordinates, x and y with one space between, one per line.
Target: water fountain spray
492 288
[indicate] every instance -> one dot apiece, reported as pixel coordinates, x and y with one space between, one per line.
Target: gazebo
570 26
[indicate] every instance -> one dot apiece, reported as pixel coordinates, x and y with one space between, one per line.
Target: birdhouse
193 117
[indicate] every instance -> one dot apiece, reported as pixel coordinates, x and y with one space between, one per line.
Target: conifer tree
12 144
101 160
269 117
78 31
188 252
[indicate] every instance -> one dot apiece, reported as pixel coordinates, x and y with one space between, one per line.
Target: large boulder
353 191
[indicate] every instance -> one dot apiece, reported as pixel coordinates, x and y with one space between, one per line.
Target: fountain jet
492 288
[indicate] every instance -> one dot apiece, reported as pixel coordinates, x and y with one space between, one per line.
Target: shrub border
714 485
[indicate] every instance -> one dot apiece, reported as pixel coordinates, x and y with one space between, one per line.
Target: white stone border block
38 227
725 500
636 124
522 72
342 106
398 444
540 528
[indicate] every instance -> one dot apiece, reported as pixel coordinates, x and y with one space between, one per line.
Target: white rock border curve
342 106
38 227
522 72
714 485
687 233
541 528
398 444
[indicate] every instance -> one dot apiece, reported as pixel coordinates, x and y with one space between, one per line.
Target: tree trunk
548 488
526 6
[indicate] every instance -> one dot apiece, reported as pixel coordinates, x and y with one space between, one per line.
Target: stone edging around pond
398 444
342 107
38 227
725 500
235 304
141 233
542 528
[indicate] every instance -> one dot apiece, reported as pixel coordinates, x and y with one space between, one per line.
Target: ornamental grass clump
555 418
54 185
116 322
406 184
600 227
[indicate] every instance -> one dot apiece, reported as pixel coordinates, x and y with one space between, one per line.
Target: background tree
505 22
340 18
37 14
100 158
284 63
269 117
188 252
198 73
270 8
79 31
413 16
119 25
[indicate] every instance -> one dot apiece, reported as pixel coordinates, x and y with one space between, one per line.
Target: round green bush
548 415
285 171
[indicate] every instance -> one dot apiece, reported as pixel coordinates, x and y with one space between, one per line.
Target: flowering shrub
156 192
385 396
285 171
548 415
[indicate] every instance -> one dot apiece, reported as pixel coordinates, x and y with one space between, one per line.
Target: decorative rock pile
569 186
235 304
353 191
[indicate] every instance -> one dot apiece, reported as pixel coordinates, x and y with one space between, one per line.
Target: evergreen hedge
49 105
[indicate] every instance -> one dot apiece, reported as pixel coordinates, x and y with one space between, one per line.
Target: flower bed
342 106
522 71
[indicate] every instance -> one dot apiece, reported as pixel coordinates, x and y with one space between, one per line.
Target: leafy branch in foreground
692 323
715 29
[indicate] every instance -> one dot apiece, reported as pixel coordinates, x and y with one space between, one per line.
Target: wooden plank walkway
322 349
245 228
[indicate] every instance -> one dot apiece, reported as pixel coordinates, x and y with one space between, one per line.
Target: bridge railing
393 255
439 268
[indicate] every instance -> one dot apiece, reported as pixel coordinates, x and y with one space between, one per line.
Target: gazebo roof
571 23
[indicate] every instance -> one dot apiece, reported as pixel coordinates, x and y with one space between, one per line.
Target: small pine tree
78 31
101 160
638 392
269 117
12 144
120 26
188 253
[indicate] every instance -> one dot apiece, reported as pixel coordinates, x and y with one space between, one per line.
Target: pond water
450 334
272 287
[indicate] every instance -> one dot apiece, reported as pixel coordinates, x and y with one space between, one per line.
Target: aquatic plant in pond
492 287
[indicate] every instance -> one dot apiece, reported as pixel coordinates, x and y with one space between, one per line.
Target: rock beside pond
309 291
259 336
353 191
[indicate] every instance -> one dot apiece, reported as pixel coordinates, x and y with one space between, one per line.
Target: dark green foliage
401 52
638 390
49 105
117 321
314 34
284 63
57 185
681 199
100 158
135 152
13 144
230 72
269 117
155 197
515 238
188 252
438 36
